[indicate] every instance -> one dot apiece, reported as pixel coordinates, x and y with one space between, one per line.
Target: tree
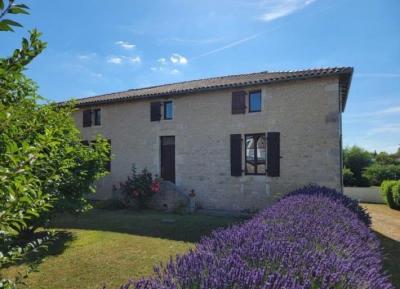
44 167
357 159
384 158
377 173
348 177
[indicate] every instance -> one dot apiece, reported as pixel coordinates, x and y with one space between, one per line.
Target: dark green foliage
11 8
44 168
384 158
357 159
391 193
396 194
348 176
377 173
362 168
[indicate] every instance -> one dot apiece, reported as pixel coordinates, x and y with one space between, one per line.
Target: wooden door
168 158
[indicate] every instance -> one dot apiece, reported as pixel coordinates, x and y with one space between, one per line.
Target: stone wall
305 112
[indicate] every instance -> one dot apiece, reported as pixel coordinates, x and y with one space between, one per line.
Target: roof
223 82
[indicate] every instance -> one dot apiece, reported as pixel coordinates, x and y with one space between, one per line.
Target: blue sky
97 47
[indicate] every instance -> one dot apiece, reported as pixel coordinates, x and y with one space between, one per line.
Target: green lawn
111 246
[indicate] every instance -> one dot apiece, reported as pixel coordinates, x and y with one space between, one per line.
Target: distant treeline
363 168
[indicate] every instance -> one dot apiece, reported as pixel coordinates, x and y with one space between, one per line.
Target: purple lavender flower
312 238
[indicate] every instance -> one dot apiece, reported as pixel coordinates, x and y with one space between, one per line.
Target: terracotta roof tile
223 82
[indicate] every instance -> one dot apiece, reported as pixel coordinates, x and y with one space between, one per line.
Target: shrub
138 189
347 202
348 177
357 159
396 194
387 191
377 173
307 240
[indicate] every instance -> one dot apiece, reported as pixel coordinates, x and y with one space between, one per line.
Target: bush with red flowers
138 189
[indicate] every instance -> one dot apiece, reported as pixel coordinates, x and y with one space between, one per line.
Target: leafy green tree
348 177
377 173
44 167
357 159
385 158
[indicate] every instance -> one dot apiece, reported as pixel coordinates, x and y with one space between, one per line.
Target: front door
168 158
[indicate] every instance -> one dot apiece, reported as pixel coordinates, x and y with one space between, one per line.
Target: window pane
255 101
261 155
261 148
250 157
97 117
168 110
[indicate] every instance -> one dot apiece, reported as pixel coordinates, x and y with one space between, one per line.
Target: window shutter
87 118
155 111
273 154
238 102
236 155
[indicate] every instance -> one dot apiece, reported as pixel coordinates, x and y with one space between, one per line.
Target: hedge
390 191
312 238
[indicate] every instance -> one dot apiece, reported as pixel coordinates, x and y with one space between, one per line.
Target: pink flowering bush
312 238
138 189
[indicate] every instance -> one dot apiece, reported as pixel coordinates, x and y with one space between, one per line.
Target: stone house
238 141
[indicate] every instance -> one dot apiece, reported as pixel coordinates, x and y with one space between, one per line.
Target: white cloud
115 60
385 128
377 114
134 60
162 61
125 44
280 8
390 110
124 59
176 58
86 56
165 69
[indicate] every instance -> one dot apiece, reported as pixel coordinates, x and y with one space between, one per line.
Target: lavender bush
338 197
311 239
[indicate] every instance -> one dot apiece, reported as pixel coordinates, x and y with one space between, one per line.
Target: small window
97 116
255 154
168 110
87 118
255 101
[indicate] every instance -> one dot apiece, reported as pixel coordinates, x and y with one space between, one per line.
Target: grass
110 247
386 224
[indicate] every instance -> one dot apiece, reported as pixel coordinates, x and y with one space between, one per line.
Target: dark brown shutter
155 111
87 118
238 102
236 155
273 154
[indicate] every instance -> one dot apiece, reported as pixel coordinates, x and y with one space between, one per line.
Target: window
255 154
255 101
87 118
168 110
97 116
